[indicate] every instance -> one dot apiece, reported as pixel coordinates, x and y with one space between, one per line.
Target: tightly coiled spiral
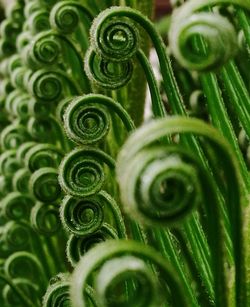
65 16
48 48
113 37
16 235
45 85
44 219
44 50
138 190
160 183
81 172
79 246
57 294
87 118
118 262
13 136
165 183
43 155
105 73
82 217
44 185
16 206
218 33
38 21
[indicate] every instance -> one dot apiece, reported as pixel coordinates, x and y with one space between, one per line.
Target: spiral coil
215 29
87 118
124 260
81 171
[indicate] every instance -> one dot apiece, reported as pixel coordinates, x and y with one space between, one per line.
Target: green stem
166 245
38 247
157 104
200 251
221 120
237 93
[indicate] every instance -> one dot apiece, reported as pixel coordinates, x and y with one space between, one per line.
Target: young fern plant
98 208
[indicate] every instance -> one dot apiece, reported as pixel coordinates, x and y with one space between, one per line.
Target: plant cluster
98 206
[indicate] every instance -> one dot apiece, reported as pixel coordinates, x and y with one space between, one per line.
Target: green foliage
99 206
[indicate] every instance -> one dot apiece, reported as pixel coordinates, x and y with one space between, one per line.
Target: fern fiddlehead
216 29
77 247
48 86
13 136
124 44
42 155
81 172
154 182
124 260
16 206
203 49
44 218
164 175
105 73
44 185
85 216
65 15
38 21
57 293
87 121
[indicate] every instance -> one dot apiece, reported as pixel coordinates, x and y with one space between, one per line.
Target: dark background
162 7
